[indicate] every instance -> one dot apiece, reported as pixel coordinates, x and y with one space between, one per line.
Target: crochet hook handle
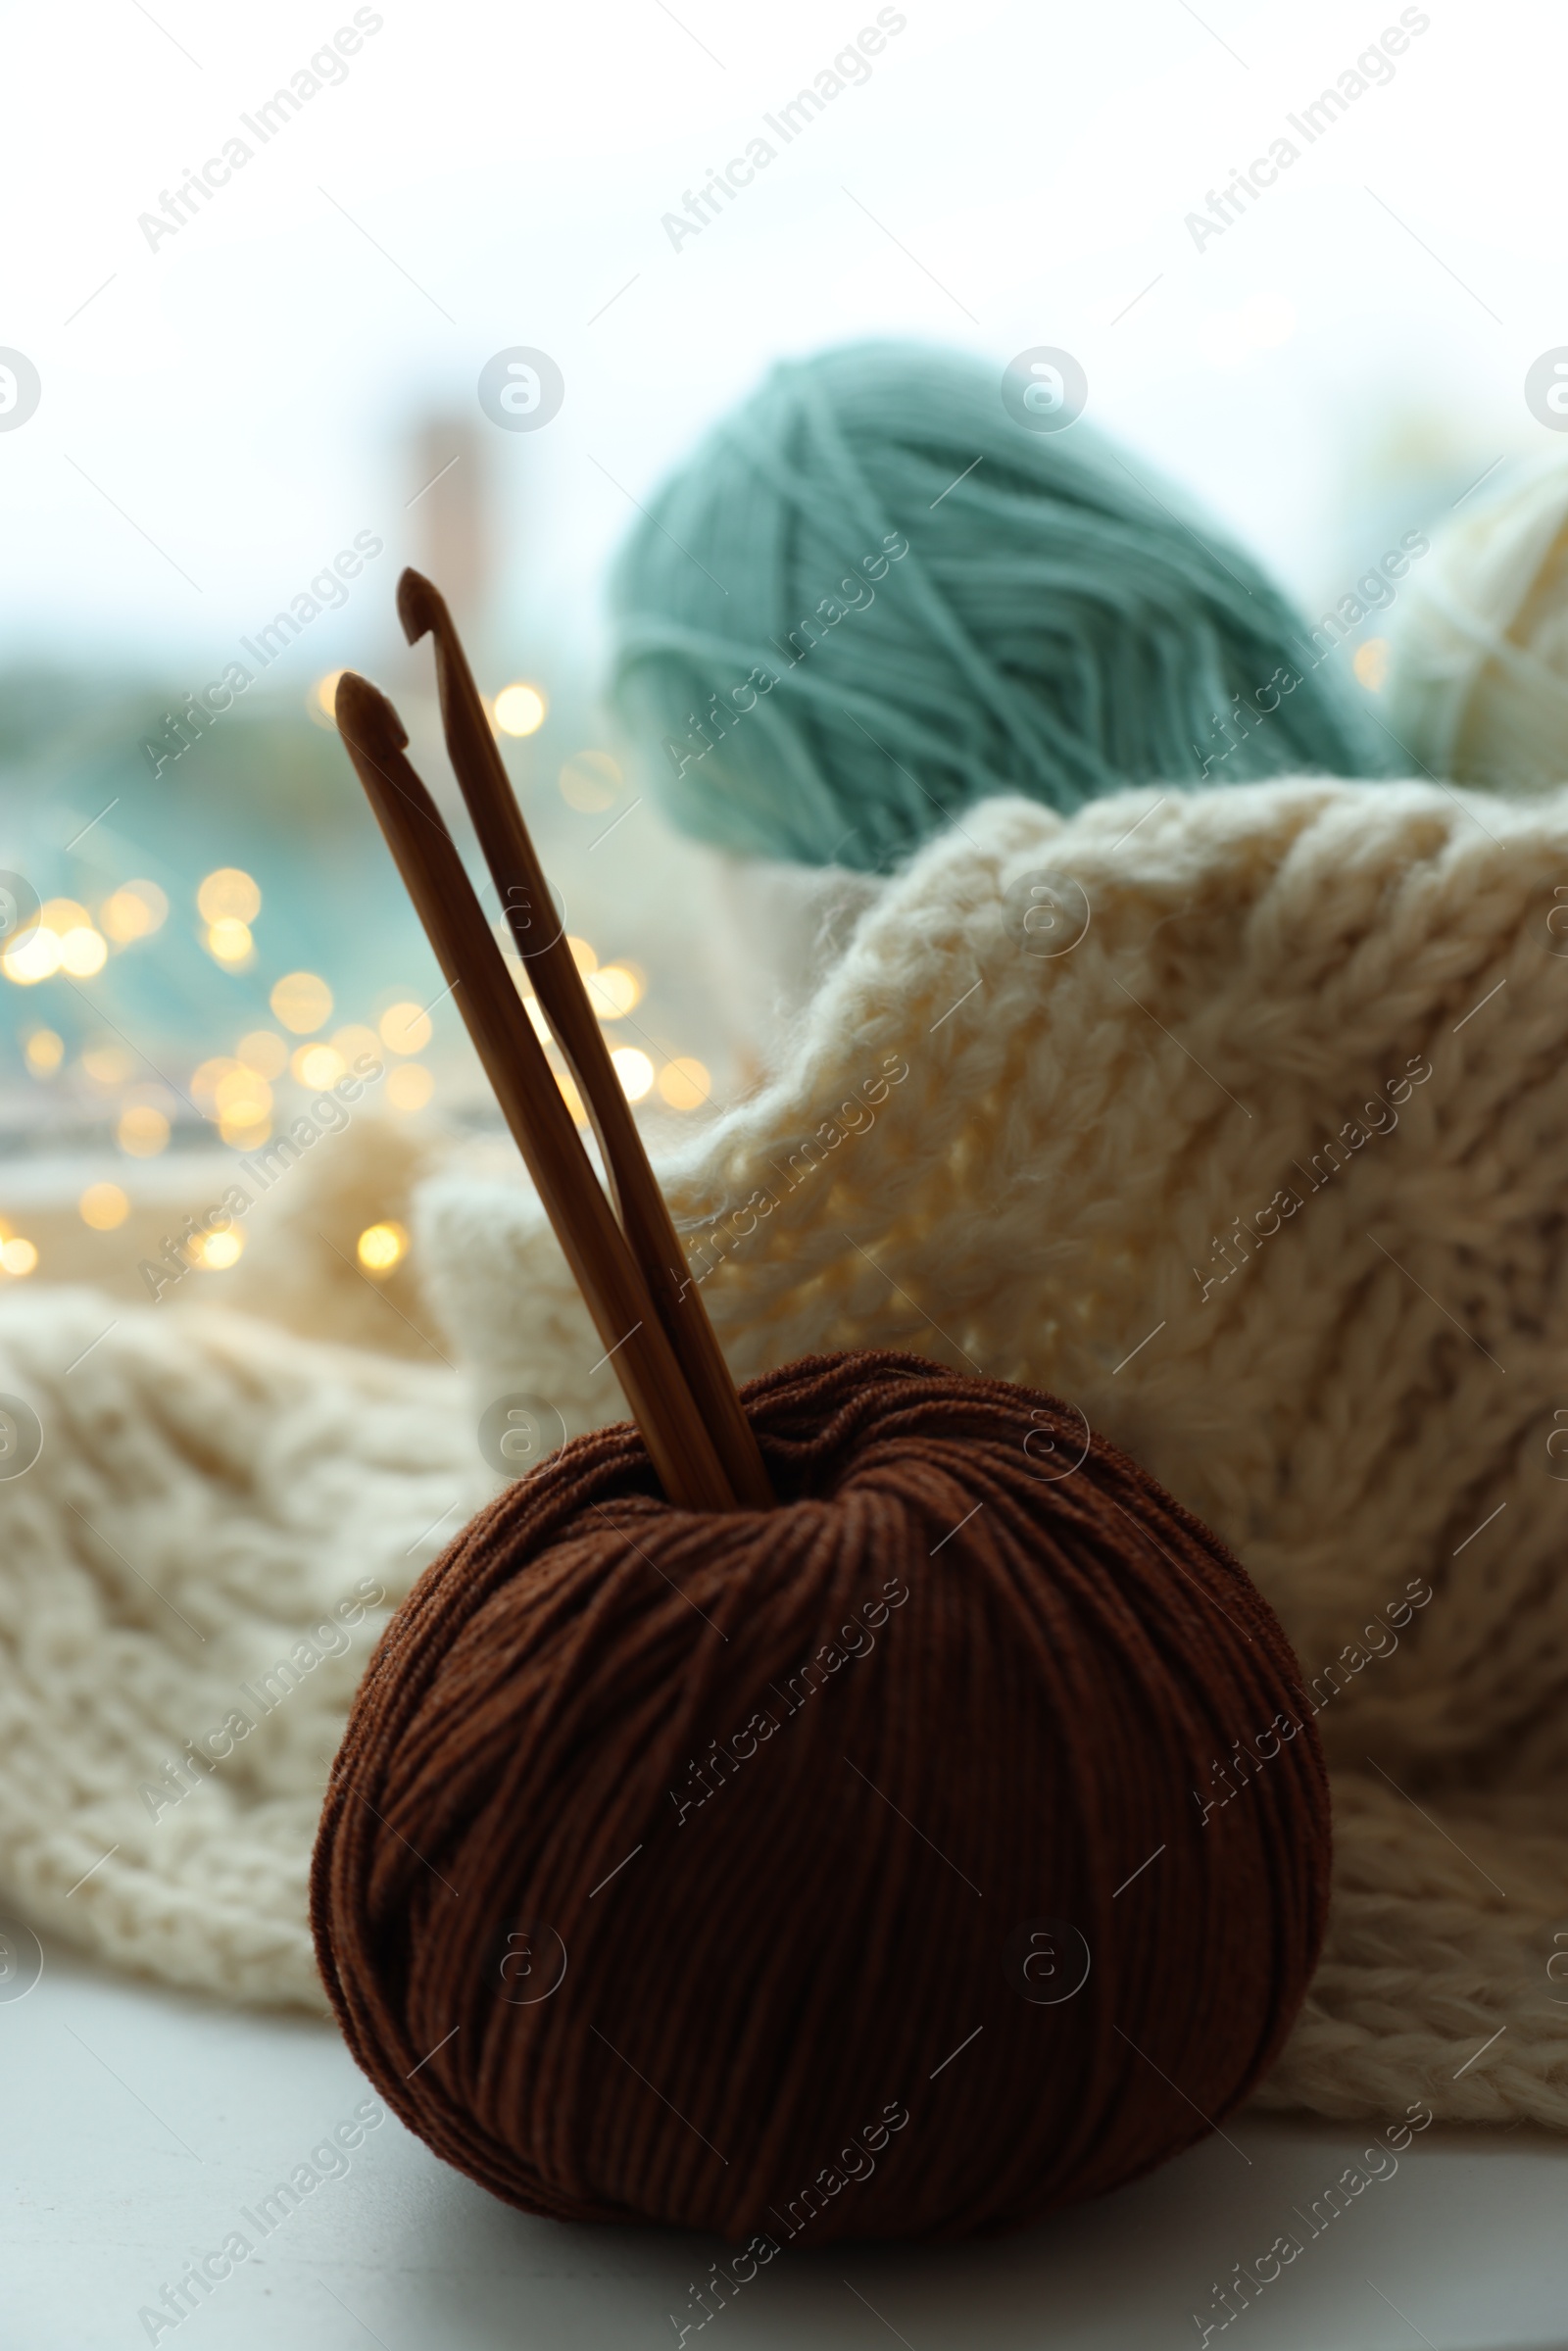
678 1443
521 885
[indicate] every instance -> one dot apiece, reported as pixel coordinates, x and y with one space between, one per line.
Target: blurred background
206 400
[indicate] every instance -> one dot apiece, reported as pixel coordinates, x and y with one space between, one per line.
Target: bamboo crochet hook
678 1440
520 884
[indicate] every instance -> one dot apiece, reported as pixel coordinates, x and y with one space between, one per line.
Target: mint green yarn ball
870 599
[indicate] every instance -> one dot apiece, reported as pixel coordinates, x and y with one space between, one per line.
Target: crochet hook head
365 720
421 607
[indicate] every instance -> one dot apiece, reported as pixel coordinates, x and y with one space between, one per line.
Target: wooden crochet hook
540 937
678 1442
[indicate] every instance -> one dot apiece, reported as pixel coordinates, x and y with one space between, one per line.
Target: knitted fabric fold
192 1574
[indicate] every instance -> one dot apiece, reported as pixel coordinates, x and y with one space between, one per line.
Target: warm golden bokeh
241 1097
316 1066
84 951
32 959
228 941
244 1134
590 782
204 1078
264 1051
520 710
380 1246
302 1001
685 1084
236 1097
63 914
634 1071
142 1132
405 1028
102 1206
134 912
228 896
614 990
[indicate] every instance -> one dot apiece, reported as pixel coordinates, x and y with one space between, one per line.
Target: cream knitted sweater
191 1575
1260 1171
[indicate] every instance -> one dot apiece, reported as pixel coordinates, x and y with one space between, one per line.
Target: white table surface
135 2123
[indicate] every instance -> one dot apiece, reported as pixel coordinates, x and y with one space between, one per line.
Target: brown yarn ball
672 1859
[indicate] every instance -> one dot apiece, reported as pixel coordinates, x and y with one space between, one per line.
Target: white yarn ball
1478 677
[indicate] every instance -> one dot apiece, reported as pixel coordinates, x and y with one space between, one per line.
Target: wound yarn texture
871 599
1265 1176
666 1849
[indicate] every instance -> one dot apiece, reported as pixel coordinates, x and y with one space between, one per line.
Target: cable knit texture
1264 1174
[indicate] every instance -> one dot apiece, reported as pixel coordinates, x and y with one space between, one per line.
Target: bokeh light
242 1097
204 1080
134 912
62 914
380 1246
216 1251
84 951
43 1052
590 782
264 1051
634 1071
228 896
32 959
242 1103
302 1001
685 1084
102 1206
18 1256
142 1132
244 1134
405 1028
520 710
228 941
614 990
63 938
316 1066
236 1097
